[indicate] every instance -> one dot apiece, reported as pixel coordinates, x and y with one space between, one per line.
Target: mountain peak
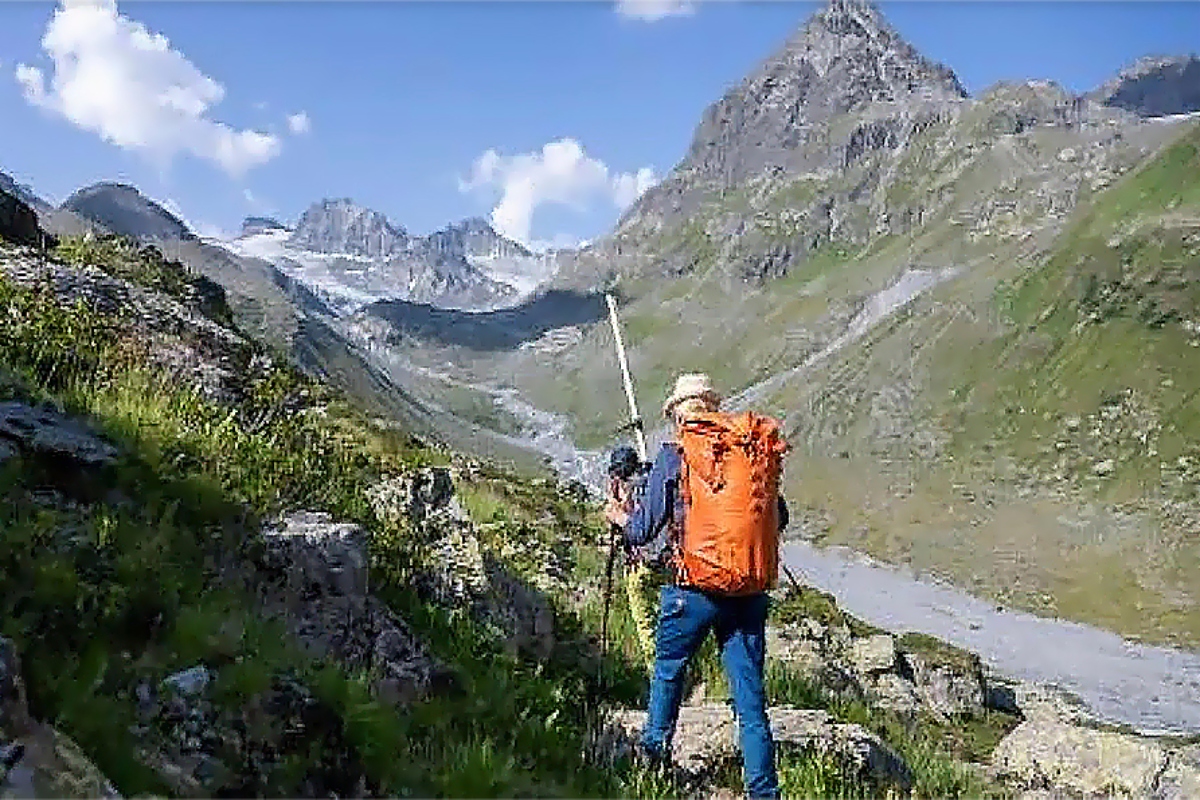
1155 86
122 209
844 58
256 225
339 225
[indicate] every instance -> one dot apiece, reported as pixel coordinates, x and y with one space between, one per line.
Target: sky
550 118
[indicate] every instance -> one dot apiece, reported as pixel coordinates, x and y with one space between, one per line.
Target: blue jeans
685 619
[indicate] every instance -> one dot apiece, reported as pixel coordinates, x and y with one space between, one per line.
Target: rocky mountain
342 227
904 275
353 256
271 584
252 226
1155 87
122 209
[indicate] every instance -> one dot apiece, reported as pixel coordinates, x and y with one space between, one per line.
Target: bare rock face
50 763
843 59
1155 87
315 577
706 742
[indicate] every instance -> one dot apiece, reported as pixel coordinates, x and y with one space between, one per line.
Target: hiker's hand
615 512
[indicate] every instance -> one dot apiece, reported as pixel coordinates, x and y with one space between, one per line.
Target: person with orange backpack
713 498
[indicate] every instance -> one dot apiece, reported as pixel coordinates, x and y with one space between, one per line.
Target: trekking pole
613 534
636 423
635 420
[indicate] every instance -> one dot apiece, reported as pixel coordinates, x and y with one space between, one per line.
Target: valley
976 314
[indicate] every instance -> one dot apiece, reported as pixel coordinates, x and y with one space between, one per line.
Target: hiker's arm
652 513
783 514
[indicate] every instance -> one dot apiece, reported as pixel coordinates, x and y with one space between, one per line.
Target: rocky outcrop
706 743
456 569
18 222
1155 87
44 761
903 675
189 345
314 575
49 432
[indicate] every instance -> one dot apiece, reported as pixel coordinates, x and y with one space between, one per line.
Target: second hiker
712 501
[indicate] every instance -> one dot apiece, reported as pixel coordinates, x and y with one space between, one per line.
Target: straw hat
689 386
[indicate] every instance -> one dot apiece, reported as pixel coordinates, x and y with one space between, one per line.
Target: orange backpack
729 484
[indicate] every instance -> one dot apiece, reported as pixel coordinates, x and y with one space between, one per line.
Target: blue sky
403 99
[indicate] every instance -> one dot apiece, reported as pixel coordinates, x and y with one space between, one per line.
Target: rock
189 682
1181 779
1104 467
314 575
943 689
18 221
999 696
1046 753
457 571
14 713
47 431
416 496
51 764
1046 702
706 743
892 692
873 654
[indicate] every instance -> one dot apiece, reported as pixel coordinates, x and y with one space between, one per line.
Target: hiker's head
693 394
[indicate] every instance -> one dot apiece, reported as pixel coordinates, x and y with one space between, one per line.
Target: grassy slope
136 561
1012 390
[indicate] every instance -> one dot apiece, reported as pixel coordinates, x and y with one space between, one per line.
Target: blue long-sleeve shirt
661 498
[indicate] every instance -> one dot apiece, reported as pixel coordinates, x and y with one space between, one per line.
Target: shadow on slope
504 329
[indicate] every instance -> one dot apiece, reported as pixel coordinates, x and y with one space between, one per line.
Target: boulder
1181 779
943 689
456 570
706 742
47 431
873 655
51 764
894 693
313 574
1045 753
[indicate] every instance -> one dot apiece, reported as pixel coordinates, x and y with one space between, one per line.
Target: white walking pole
635 420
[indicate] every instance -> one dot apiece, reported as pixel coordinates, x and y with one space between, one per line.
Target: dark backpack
657 553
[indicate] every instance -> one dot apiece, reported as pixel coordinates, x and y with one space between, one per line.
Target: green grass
145 266
136 591
518 729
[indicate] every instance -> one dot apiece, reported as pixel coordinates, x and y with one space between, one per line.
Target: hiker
710 497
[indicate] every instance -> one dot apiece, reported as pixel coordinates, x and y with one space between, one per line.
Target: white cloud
299 123
654 10
117 79
561 173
